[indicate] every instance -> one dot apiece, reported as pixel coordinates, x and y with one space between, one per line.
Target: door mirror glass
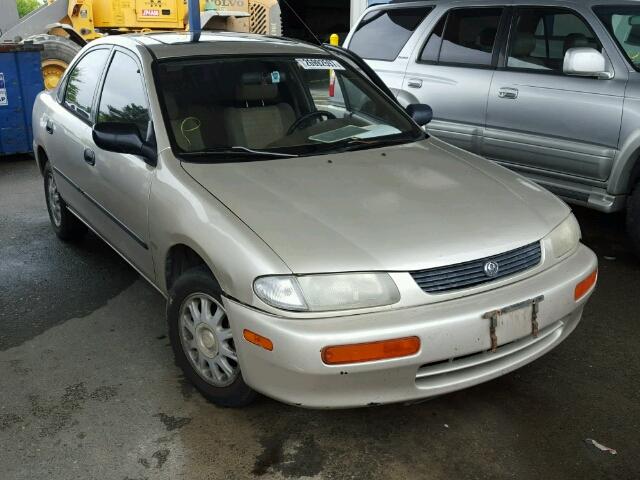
123 138
422 114
586 62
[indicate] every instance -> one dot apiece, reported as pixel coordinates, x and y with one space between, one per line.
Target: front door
544 122
452 73
123 181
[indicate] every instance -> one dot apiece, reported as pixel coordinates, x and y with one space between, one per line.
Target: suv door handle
414 83
508 93
89 156
49 127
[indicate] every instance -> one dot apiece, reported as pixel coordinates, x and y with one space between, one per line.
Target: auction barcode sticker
319 64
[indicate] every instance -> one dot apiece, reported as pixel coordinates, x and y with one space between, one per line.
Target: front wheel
633 218
202 340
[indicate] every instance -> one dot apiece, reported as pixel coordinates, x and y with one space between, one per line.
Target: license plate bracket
495 316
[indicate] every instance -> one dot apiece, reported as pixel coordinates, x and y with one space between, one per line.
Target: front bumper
454 344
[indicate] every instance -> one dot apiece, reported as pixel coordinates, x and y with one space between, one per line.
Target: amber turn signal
585 285
258 340
369 352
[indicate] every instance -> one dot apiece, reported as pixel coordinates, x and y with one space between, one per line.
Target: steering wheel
308 116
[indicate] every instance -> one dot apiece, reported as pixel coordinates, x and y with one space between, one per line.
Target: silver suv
548 88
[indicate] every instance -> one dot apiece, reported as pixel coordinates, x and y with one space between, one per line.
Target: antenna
302 21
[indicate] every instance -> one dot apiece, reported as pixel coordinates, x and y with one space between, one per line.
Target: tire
65 224
633 218
200 357
57 55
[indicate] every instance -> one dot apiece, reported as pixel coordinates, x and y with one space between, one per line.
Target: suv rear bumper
454 344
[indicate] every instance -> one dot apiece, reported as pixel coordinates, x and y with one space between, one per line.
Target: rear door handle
508 93
49 127
414 83
89 156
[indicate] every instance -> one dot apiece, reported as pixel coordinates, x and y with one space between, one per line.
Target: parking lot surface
88 388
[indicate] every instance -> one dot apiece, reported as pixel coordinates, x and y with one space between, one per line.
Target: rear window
470 35
382 33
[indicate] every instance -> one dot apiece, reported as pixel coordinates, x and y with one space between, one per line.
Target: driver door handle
89 156
414 83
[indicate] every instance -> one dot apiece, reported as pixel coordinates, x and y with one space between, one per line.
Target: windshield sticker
275 77
319 64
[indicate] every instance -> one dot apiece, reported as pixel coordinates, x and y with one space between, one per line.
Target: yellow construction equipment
64 26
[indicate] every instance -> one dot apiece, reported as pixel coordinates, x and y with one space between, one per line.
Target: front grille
469 274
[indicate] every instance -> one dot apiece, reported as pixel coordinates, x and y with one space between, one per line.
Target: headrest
252 93
575 40
634 35
524 45
486 37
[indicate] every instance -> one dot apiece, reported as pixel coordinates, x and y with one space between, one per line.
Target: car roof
164 45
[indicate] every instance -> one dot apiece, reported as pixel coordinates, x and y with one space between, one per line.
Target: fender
626 170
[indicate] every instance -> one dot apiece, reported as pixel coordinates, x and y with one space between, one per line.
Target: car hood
397 208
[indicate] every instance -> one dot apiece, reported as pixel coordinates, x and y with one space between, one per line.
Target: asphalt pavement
89 390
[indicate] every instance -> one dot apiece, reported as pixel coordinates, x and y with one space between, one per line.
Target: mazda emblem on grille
491 268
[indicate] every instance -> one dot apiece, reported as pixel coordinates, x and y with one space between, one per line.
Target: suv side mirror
124 138
421 113
586 62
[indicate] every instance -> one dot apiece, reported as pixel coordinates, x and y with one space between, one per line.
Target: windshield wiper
238 150
354 143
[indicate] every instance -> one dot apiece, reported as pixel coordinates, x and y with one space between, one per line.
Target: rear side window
542 37
382 33
123 98
82 82
470 36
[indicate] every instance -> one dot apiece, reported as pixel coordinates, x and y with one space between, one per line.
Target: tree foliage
27 6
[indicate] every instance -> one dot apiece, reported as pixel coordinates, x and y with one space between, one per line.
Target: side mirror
421 113
124 138
586 62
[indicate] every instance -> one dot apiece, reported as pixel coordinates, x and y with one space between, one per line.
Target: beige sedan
313 243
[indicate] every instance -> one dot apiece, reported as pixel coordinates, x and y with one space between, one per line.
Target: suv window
470 36
623 22
123 97
544 35
382 33
82 82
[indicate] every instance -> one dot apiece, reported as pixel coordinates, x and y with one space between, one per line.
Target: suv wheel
65 224
633 218
202 340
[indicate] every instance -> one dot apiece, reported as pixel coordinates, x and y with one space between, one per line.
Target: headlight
321 293
565 237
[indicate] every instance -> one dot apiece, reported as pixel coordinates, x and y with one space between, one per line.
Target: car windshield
224 109
623 22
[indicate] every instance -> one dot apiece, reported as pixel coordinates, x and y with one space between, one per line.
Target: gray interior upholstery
258 119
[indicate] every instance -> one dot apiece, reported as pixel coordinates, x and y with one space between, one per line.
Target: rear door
544 122
452 68
121 189
383 38
69 127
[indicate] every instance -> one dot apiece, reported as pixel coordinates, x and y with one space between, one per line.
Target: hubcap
52 71
207 340
54 201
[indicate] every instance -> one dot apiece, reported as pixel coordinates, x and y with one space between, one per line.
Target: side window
544 35
82 82
382 33
470 36
123 96
431 50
